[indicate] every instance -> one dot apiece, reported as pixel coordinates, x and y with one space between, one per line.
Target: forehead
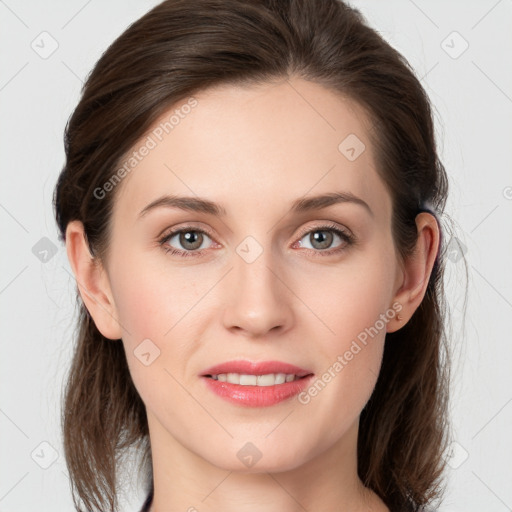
248 146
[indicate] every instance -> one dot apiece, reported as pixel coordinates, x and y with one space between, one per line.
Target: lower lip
257 396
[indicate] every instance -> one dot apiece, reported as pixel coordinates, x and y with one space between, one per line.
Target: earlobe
92 281
417 269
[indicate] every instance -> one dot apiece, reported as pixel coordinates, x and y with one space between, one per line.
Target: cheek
154 308
354 310
151 299
355 305
350 297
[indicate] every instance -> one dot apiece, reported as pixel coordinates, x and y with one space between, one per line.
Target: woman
250 207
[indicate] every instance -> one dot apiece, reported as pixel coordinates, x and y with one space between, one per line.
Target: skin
254 150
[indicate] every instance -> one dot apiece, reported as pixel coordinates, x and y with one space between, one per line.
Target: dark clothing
147 503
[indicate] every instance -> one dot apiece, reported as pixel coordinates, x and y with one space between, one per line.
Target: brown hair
175 50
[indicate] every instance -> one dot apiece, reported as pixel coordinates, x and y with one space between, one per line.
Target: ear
413 276
93 282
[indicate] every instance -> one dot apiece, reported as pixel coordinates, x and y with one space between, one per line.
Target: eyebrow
202 205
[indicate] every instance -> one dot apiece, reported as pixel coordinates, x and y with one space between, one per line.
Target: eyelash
349 240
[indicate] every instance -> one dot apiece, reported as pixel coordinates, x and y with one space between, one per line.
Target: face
264 280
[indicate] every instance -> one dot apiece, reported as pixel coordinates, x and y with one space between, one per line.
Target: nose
259 298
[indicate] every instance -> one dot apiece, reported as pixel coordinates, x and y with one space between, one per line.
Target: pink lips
256 396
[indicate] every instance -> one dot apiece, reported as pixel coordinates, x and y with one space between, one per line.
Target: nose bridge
259 301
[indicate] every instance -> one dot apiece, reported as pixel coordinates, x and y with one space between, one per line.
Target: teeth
255 380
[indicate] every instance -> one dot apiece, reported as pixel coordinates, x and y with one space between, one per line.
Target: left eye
322 238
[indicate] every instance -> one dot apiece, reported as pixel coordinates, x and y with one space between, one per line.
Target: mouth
256 384
267 373
269 379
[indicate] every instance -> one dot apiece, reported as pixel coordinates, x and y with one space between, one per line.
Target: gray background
471 90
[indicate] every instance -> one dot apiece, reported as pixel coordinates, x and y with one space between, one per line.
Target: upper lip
255 368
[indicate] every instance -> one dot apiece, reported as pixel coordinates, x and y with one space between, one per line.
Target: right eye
190 238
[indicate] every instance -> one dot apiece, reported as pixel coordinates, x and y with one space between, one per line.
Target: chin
253 457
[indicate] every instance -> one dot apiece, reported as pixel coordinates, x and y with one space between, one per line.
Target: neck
186 482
